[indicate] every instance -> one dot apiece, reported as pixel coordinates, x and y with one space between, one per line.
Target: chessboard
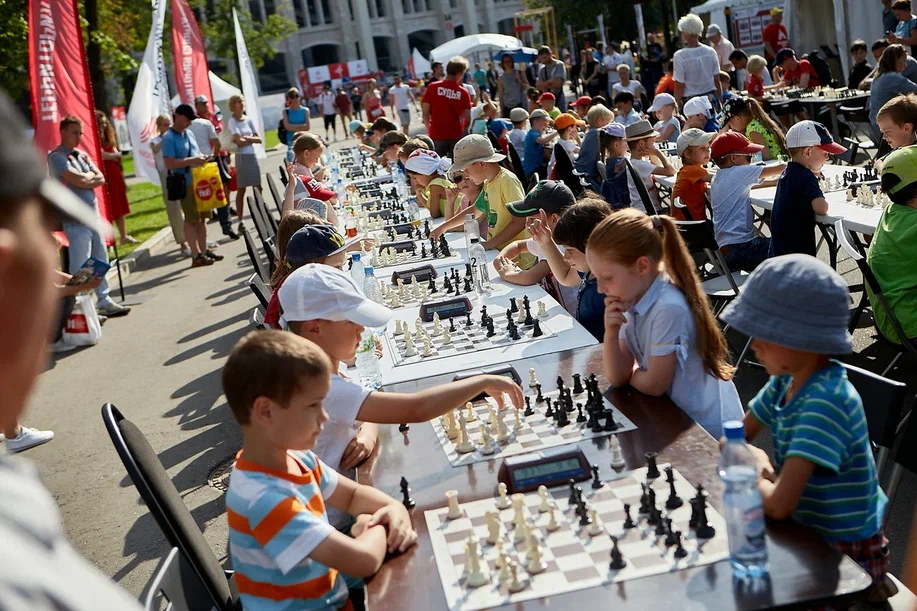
414 293
408 251
429 341
849 179
538 427
569 556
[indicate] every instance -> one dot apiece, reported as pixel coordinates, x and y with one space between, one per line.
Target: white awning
467 45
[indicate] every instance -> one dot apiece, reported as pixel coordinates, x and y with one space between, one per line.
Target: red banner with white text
188 48
59 76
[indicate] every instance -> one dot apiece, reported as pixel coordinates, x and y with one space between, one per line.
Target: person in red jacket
447 108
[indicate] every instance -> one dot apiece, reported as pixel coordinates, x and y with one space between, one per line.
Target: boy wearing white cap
668 125
324 305
699 114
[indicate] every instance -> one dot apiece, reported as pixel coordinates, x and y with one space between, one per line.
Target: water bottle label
747 531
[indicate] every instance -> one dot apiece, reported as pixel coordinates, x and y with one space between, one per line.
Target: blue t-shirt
615 189
711 126
793 219
534 153
590 306
825 424
61 159
295 117
180 146
587 162
903 29
499 126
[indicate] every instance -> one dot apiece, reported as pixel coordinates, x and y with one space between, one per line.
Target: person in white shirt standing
697 66
610 64
329 110
722 46
400 98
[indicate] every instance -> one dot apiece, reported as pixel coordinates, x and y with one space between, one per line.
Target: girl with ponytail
657 316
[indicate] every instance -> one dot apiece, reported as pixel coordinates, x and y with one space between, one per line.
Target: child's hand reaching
539 229
614 315
765 468
359 448
397 523
498 385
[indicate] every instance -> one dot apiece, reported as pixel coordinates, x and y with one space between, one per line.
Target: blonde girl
428 176
660 335
307 148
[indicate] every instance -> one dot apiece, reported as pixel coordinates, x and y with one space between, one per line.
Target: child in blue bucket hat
796 309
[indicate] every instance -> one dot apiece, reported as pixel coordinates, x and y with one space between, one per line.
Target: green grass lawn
127 164
270 139
148 214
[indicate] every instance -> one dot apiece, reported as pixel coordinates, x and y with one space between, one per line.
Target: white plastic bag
83 327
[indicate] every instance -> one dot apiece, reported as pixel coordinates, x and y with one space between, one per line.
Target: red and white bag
83 327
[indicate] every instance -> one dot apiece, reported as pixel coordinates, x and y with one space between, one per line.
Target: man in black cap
40 570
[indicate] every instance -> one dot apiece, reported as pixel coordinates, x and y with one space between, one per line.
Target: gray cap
796 301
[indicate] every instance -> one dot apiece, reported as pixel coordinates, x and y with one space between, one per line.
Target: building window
407 7
380 8
255 7
453 3
300 14
350 8
273 75
320 55
270 8
326 9
427 4
312 6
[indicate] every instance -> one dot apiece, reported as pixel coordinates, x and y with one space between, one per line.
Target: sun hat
693 137
733 142
314 242
662 99
518 114
776 10
796 301
548 195
547 95
539 113
732 107
426 162
713 29
321 292
640 130
565 120
615 130
697 106
812 133
474 148
899 169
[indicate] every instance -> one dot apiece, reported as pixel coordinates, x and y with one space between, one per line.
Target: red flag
191 71
59 77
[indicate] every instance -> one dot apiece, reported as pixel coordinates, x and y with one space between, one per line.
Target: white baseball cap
697 106
812 133
713 29
662 99
693 137
322 292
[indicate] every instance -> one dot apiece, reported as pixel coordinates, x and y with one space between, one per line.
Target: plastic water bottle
341 191
413 208
471 231
368 362
356 269
401 184
743 505
371 285
758 158
478 260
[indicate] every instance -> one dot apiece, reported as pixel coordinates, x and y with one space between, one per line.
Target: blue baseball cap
314 242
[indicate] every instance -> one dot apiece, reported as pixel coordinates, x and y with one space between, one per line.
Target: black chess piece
536 330
580 417
704 530
426 228
610 423
652 471
513 306
583 513
577 384
550 411
653 518
692 523
660 527
413 245
680 551
644 499
617 560
561 416
404 427
674 501
467 284
596 482
509 316
467 319
451 325
513 331
560 384
528 407
539 398
447 286
423 251
483 315
669 533
431 284
651 495
628 521
568 400
572 500
597 426
490 327
468 272
444 245
407 501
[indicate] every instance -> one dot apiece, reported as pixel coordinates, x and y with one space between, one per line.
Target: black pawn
536 330
652 471
674 501
528 407
561 417
467 284
610 424
617 560
669 534
680 551
577 384
447 286
539 398
596 482
513 331
451 325
423 251
467 319
550 411
404 428
431 285
490 327
513 306
580 417
628 521
573 498
407 501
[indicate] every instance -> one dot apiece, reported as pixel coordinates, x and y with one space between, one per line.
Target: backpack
281 130
822 68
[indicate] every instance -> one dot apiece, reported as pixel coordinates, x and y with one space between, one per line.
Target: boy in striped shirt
797 310
285 554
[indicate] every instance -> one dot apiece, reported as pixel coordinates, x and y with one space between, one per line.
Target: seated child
284 551
692 179
668 125
552 197
536 157
799 198
860 68
428 177
897 121
616 186
597 118
390 147
360 131
725 83
516 137
569 265
745 116
797 309
325 306
566 126
624 109
660 322
892 253
758 79
730 198
699 113
307 150
643 156
548 102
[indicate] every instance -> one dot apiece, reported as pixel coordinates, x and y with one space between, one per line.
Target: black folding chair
275 194
850 155
260 289
905 458
563 168
255 257
518 168
167 508
265 213
857 119
284 178
256 318
175 586
264 233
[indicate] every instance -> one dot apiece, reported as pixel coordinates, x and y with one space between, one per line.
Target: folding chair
175 581
254 257
563 168
167 508
903 345
283 175
265 213
516 162
905 458
850 155
256 318
259 288
275 194
267 241
857 119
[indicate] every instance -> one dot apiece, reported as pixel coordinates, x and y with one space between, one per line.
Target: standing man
447 108
180 153
329 113
775 36
889 21
75 169
651 63
345 110
722 46
610 63
697 66
400 98
551 76
206 129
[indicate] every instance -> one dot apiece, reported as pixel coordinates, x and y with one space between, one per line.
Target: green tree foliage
260 38
14 48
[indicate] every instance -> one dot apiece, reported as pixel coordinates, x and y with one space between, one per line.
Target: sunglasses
458 178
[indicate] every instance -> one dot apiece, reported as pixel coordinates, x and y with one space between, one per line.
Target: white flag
151 98
249 87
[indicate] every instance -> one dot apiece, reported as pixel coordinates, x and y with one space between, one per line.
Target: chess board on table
537 432
422 253
575 560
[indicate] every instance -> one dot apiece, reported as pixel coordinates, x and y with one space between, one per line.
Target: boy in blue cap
797 310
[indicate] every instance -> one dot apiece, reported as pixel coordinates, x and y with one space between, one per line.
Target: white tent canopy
812 23
476 43
222 90
421 64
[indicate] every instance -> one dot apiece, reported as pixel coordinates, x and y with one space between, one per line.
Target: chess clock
403 228
422 273
550 468
507 371
447 308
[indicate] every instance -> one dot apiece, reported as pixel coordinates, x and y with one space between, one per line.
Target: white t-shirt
517 139
697 68
401 94
243 128
343 403
611 63
204 132
326 99
471 91
723 51
733 219
676 128
567 293
645 170
633 86
160 162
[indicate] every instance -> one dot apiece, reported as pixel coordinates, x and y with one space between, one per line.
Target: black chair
175 586
905 457
275 194
265 235
850 155
284 178
259 288
563 169
167 508
857 119
265 213
256 318
255 257
516 162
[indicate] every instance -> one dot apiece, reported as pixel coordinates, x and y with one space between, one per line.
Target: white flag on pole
151 98
249 87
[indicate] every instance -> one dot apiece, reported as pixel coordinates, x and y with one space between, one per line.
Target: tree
220 33
14 47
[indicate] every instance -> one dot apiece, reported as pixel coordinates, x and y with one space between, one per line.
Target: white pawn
437 326
409 349
427 347
447 337
536 563
553 524
503 500
494 528
520 318
617 460
596 527
418 326
533 381
504 563
542 310
502 556
515 585
398 329
517 424
503 433
396 303
455 511
469 412
401 287
518 509
544 506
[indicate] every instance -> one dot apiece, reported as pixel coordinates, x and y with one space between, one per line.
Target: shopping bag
208 188
226 142
83 327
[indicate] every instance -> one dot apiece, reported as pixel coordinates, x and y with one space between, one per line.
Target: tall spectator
180 153
372 102
906 29
329 112
721 45
202 108
173 207
511 86
39 568
628 55
356 100
626 83
861 68
878 47
75 169
400 98
667 83
345 109
889 21
551 76
775 36
205 134
438 71
447 108
651 62
295 119
697 66
888 82
248 173
480 78
589 72
491 77
118 206
610 63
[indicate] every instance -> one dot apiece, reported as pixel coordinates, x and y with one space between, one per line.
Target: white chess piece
455 511
531 539
478 574
398 329
518 500
427 347
517 423
418 326
409 349
492 417
617 460
401 288
469 412
500 550
396 303
553 524
544 506
536 563
494 527
519 531
533 381
542 310
503 433
596 527
504 563
520 317
488 446
463 444
447 337
503 500
437 326
515 585
849 194
451 425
